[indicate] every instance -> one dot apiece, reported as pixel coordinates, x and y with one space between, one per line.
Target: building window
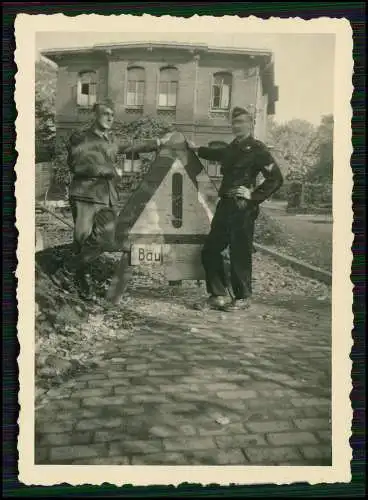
177 200
135 87
87 89
129 163
221 91
168 88
214 167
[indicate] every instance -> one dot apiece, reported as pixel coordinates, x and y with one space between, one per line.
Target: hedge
307 194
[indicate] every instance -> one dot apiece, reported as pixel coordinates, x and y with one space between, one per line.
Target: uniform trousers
232 227
94 232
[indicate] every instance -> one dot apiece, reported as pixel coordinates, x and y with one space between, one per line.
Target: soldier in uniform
233 223
92 155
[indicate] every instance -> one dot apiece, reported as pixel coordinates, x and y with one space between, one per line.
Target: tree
296 141
45 130
323 168
144 128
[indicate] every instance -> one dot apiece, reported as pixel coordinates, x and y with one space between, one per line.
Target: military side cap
107 103
239 112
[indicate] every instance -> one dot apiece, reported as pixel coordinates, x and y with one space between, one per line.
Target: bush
318 195
143 128
45 132
294 195
60 175
307 196
61 172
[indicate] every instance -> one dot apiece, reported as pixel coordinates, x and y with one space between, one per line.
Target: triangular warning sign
167 214
167 207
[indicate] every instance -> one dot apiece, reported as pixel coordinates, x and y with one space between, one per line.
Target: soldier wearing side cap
92 155
233 223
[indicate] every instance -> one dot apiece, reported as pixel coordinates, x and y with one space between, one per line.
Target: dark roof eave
58 55
268 83
200 48
271 108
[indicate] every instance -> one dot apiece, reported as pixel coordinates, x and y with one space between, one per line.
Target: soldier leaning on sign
233 223
92 155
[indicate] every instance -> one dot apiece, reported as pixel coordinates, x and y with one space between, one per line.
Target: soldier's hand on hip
241 192
241 203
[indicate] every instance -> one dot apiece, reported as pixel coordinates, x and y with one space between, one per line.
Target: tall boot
84 283
64 277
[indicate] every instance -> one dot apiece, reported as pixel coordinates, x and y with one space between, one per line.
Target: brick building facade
192 86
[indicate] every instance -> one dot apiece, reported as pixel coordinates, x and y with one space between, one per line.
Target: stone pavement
187 388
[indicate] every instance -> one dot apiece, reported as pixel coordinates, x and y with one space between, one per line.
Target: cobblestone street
189 388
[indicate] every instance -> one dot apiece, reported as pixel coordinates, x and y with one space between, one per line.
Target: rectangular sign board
183 262
179 261
146 254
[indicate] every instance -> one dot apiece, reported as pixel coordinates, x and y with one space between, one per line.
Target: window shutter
168 87
225 96
127 165
162 99
216 97
87 89
172 94
79 92
221 91
140 93
92 99
136 165
135 86
211 169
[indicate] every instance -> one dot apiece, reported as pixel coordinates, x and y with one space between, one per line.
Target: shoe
212 303
85 287
63 278
237 305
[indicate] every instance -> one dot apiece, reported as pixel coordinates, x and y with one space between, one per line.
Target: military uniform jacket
241 163
92 157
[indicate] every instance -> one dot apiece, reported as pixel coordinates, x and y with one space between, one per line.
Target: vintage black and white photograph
183 265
